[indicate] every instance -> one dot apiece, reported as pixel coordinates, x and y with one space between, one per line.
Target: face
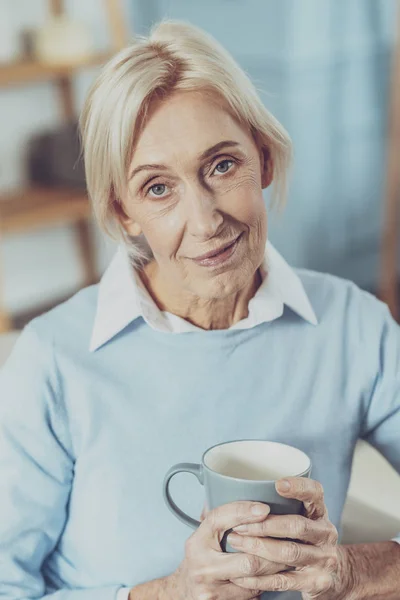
195 192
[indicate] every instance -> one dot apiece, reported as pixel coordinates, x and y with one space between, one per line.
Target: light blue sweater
86 437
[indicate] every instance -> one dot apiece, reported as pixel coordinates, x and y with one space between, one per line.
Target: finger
313 582
294 527
284 552
230 591
235 593
227 516
308 491
226 567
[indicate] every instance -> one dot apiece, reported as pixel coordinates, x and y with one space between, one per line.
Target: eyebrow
206 154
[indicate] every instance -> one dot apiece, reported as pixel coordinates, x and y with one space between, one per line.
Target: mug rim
258 481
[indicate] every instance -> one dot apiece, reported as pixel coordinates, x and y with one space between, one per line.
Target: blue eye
158 189
224 166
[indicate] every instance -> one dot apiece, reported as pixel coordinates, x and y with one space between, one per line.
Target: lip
218 258
214 253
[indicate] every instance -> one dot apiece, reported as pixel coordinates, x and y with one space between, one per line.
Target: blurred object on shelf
27 44
388 291
51 206
54 158
62 41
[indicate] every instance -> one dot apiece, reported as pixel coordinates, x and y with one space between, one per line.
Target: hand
320 567
206 571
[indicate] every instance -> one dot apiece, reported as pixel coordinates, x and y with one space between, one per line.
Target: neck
215 313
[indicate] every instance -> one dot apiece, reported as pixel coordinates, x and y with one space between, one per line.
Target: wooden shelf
36 208
42 207
20 72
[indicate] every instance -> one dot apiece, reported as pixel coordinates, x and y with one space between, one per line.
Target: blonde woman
199 332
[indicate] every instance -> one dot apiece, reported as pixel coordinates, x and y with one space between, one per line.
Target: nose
204 220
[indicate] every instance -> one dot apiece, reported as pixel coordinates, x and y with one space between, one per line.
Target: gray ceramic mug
242 470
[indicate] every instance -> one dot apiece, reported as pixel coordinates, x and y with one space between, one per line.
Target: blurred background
326 68
330 72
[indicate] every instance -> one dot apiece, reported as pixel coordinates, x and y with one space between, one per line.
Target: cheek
164 234
243 200
253 211
160 224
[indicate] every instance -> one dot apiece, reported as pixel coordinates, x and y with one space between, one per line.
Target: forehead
183 126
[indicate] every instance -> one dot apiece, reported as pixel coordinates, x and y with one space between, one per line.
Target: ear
128 224
131 227
267 167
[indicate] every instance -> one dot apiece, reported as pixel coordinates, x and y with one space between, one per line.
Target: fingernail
234 540
241 528
260 509
284 485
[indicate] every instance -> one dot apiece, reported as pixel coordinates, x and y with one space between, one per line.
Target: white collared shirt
123 298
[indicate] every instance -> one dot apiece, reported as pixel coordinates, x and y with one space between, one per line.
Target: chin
222 285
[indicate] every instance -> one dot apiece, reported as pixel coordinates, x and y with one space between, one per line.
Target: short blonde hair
175 56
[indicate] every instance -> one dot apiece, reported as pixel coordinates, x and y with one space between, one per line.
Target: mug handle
196 470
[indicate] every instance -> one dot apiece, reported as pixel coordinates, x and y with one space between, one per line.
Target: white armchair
7 341
372 511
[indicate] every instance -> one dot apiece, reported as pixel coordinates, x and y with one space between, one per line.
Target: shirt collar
122 298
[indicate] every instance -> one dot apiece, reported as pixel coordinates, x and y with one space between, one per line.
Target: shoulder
69 323
63 331
341 303
30 377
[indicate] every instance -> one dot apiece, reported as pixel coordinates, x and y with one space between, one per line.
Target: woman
198 333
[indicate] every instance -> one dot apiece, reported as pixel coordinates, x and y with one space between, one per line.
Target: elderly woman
199 332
